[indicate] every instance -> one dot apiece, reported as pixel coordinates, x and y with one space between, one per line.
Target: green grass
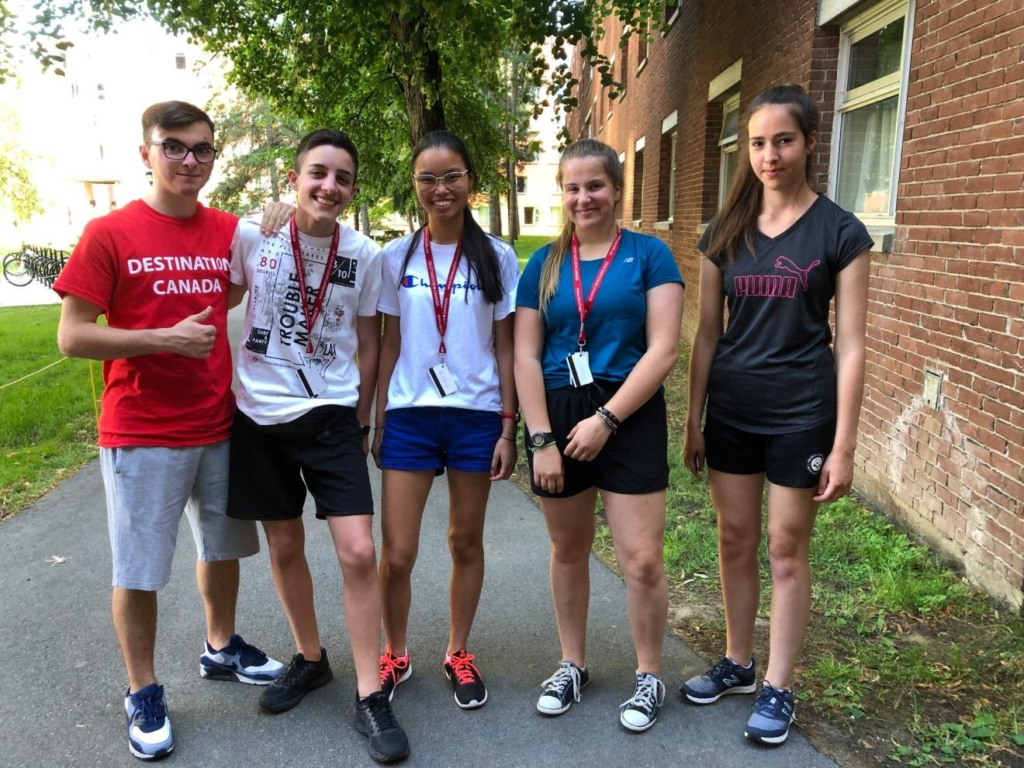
899 649
47 426
526 245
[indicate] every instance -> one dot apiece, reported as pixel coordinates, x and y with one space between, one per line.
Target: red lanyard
577 279
311 317
441 307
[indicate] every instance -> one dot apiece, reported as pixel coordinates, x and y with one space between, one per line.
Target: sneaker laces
568 673
250 655
718 671
649 692
463 667
382 717
152 712
296 670
770 702
389 664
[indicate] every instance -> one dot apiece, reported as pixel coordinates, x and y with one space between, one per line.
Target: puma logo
788 265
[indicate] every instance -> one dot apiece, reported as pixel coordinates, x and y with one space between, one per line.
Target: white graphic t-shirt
469 339
279 379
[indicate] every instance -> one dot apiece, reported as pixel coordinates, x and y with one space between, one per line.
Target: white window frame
895 84
727 145
669 133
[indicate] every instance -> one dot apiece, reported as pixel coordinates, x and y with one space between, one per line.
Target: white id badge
442 379
579 369
313 383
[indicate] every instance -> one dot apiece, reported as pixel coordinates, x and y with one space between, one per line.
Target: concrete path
60 694
63 682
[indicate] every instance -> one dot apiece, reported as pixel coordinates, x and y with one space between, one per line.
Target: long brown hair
613 167
736 223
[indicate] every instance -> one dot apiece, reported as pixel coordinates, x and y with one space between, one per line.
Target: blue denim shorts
435 437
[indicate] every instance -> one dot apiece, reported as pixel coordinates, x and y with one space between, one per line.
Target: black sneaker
562 688
296 681
640 711
774 712
470 691
374 718
726 677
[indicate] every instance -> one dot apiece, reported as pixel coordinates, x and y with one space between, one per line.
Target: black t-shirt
773 370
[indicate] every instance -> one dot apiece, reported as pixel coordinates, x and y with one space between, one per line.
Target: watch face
538 439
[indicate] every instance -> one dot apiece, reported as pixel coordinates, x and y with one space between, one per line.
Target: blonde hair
613 167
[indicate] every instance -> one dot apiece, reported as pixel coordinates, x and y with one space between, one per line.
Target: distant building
922 137
85 128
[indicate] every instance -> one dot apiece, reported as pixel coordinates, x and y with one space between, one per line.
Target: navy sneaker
149 729
640 711
374 718
562 688
725 678
470 691
239 661
773 713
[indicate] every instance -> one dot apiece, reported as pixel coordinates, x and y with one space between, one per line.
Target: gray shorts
148 489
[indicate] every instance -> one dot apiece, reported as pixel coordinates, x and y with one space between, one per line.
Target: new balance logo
731 680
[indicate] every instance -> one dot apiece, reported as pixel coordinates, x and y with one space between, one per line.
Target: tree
386 71
17 192
260 145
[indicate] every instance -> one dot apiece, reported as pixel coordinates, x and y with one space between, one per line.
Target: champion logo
412 281
814 463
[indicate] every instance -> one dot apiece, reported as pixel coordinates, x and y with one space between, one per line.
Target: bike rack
34 263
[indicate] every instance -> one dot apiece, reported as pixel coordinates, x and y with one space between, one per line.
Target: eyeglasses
430 181
175 150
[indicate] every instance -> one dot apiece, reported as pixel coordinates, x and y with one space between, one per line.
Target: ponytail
478 248
556 256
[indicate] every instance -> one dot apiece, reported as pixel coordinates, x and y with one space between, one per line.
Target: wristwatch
541 440
365 429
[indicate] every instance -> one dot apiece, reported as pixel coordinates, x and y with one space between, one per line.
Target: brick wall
950 295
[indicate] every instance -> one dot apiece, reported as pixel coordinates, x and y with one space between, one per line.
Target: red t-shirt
147 270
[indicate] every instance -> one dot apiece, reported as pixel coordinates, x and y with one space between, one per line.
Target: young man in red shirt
158 269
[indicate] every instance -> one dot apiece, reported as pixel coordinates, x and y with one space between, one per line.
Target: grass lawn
47 426
526 245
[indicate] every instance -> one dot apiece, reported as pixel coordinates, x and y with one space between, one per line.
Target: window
556 216
728 145
179 61
641 36
623 64
667 169
101 93
101 151
520 184
671 12
74 90
638 180
529 215
870 104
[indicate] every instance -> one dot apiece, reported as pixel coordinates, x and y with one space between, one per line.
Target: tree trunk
364 217
424 115
355 220
513 203
275 186
494 213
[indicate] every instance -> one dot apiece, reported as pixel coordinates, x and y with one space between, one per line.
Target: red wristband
511 417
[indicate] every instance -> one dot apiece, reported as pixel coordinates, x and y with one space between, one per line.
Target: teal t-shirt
616 326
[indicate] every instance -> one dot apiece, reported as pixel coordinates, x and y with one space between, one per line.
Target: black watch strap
542 439
365 429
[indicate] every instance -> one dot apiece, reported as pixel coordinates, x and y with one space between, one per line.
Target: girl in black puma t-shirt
780 405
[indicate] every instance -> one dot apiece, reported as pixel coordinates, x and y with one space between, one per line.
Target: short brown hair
172 114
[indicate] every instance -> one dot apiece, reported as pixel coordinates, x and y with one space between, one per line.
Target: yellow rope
34 373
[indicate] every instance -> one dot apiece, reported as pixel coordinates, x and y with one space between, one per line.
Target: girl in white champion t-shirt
445 399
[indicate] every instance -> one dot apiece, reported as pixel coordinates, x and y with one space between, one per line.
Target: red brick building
923 137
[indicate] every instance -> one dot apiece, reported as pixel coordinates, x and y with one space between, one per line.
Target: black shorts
633 461
792 460
269 463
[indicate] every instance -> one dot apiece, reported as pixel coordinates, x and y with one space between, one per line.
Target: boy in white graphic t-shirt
307 370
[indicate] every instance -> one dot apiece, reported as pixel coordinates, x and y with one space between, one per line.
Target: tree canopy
387 71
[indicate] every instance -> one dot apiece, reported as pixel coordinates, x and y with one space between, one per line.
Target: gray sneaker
725 678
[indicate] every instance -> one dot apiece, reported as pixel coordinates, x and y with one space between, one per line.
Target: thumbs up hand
192 337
